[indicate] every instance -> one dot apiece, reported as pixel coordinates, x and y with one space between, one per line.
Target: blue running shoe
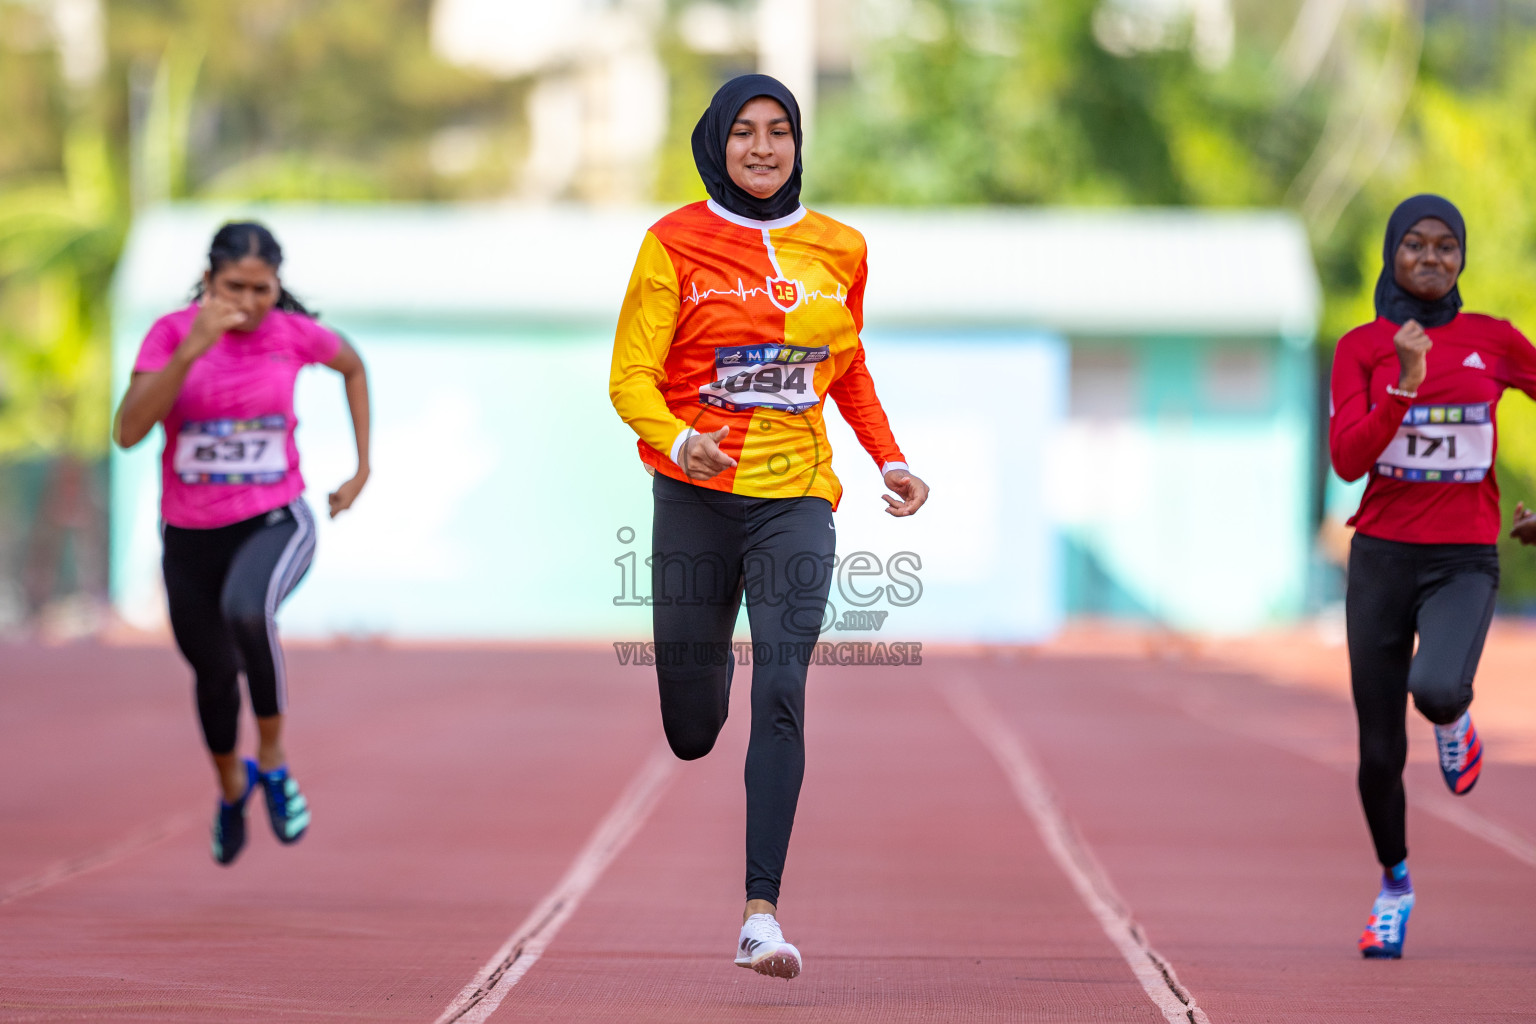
285 805
229 821
1461 754
1383 936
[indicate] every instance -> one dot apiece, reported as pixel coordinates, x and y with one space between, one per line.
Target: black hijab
1392 300
714 128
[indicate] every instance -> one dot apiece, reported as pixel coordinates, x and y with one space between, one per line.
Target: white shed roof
1078 271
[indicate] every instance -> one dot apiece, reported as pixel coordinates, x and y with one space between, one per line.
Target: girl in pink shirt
238 535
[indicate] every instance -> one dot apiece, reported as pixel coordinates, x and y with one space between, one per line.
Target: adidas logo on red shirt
1475 361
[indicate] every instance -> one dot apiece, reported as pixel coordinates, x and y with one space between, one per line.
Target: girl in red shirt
1413 404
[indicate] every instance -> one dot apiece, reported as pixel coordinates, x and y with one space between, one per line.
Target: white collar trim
747 222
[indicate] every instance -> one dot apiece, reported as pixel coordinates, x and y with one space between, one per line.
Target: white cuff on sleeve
677 446
894 465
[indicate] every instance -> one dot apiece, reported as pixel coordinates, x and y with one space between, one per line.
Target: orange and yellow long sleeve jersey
751 325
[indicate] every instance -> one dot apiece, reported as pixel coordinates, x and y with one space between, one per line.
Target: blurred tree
1470 139
168 99
1334 110
61 225
692 79
292 95
59 238
287 99
1022 101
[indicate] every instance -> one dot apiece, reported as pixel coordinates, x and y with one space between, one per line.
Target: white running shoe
762 948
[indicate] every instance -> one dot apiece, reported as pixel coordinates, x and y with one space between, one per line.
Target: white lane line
126 847
1072 855
479 999
1443 806
1439 803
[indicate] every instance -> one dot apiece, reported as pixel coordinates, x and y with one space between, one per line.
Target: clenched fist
1413 347
215 317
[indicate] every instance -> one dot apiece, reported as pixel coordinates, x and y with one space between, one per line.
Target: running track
972 835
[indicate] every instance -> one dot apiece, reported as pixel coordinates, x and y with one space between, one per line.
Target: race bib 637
232 451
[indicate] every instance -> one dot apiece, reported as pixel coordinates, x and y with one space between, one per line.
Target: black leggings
710 548
1445 593
224 586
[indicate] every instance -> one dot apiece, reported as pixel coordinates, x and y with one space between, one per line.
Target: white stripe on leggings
290 566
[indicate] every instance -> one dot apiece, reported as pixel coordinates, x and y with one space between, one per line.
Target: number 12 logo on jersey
784 293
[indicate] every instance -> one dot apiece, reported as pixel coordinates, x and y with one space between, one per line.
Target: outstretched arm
350 365
1520 372
855 395
1524 529
856 400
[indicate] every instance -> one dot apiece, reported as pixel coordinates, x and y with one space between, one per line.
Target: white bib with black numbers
251 451
771 376
1441 444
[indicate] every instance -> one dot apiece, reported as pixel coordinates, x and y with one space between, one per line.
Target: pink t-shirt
229 449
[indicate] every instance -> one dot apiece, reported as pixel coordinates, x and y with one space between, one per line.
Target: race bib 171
1448 444
232 451
754 376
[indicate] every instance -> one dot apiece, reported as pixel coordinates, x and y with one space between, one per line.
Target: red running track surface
452 790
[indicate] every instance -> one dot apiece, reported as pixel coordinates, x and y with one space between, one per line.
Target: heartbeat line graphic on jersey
785 294
742 292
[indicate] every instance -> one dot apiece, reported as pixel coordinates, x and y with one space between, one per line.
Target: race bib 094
775 376
232 451
1450 444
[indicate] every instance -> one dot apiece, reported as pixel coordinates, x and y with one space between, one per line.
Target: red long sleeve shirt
1430 458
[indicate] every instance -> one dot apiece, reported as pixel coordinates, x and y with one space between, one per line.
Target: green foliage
31 97
693 79
296 176
1475 147
280 100
344 92
59 238
1016 101
953 102
1034 110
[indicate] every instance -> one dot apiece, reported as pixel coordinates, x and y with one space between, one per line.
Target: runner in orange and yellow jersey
742 316
731 322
